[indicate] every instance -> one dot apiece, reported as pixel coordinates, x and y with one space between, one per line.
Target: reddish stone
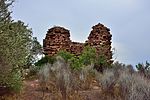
58 38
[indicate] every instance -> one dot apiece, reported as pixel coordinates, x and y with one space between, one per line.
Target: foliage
76 63
4 12
15 81
134 86
34 69
15 43
59 78
120 84
101 60
36 47
144 69
57 73
65 55
101 63
12 80
72 59
35 51
68 57
120 66
45 60
88 55
40 63
15 39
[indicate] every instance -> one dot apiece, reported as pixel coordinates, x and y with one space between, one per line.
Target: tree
144 68
88 55
16 45
36 47
15 42
35 51
4 13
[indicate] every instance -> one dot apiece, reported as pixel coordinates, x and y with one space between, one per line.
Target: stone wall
100 38
58 38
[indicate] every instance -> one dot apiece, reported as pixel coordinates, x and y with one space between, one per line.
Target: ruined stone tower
100 38
58 38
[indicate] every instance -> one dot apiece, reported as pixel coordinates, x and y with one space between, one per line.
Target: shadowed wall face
58 38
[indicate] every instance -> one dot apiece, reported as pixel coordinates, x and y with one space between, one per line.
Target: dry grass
123 85
60 80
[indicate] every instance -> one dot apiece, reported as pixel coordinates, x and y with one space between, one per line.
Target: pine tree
4 12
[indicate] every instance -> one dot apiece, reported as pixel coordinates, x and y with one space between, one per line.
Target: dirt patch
31 91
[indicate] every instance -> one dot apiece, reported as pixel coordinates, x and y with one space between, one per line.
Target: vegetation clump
16 45
64 76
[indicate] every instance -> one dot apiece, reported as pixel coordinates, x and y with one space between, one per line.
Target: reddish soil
31 91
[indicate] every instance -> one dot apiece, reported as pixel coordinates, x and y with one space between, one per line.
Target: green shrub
101 63
33 70
144 69
11 79
101 60
65 55
75 63
15 81
39 64
44 60
88 55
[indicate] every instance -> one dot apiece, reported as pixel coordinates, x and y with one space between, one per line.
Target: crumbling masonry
58 38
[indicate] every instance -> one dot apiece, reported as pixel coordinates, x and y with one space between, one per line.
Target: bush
34 69
11 79
43 61
15 81
74 61
77 62
57 76
60 78
123 85
107 80
101 63
134 87
65 55
88 55
144 69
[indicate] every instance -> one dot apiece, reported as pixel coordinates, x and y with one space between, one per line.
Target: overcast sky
128 20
